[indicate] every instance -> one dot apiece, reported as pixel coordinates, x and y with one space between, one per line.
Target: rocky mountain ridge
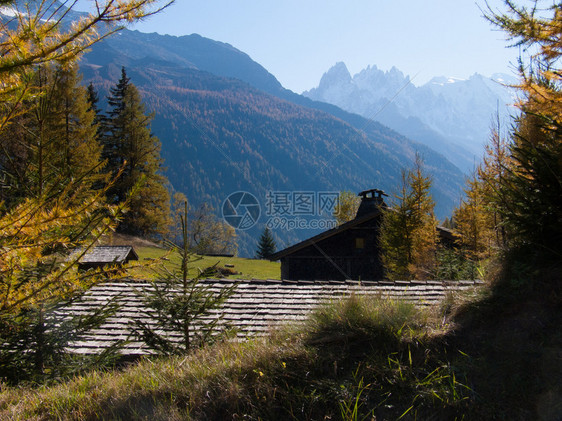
450 115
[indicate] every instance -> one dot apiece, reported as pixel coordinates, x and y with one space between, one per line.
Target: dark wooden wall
337 257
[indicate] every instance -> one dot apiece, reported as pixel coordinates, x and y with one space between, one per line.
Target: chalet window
359 243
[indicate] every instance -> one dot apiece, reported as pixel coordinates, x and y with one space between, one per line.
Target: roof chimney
371 201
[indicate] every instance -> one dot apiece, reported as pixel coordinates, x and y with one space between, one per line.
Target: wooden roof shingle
254 309
109 254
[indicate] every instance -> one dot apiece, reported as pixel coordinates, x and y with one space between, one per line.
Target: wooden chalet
448 238
107 255
349 251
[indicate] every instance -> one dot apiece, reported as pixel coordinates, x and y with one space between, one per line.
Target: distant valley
226 124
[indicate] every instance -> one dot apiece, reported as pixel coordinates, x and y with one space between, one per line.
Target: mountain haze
450 115
226 124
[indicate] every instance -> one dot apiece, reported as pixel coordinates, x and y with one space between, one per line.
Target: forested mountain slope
220 134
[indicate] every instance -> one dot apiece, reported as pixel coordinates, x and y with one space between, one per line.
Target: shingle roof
109 254
447 234
255 308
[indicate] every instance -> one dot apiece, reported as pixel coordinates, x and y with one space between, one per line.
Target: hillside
221 135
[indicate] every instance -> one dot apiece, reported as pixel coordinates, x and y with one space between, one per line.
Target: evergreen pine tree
532 189
130 145
100 120
266 245
184 313
115 149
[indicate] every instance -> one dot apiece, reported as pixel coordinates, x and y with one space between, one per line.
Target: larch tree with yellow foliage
348 203
408 231
38 274
55 139
478 219
531 189
39 32
473 222
37 270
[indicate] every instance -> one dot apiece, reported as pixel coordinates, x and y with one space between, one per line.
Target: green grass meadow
245 268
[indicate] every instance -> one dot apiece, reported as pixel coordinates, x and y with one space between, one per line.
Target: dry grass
353 360
373 357
152 387
116 239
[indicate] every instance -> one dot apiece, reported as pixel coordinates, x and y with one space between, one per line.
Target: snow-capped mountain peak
457 110
443 80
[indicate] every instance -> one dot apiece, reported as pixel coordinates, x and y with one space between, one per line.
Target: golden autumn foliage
36 241
531 186
46 229
408 232
348 203
536 27
478 219
473 222
38 33
54 139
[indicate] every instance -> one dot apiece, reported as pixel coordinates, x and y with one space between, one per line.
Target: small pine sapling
183 313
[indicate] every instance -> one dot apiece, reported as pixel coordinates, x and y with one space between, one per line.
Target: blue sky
298 41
